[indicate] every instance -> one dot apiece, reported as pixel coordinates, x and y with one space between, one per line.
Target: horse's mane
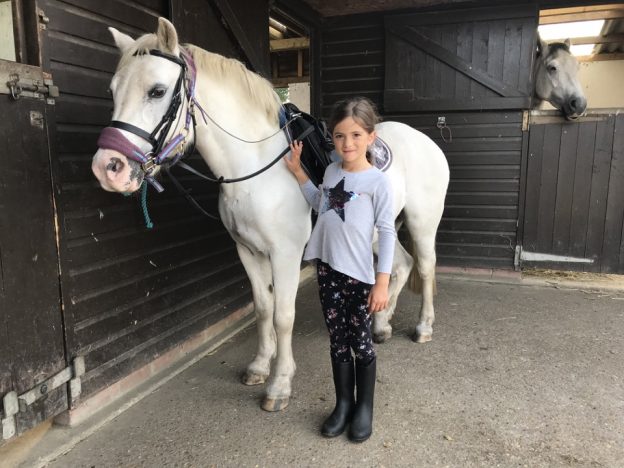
249 86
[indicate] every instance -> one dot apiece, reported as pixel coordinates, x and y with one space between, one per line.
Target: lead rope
146 216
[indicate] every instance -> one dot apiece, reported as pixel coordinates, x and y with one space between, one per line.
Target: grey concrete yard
517 374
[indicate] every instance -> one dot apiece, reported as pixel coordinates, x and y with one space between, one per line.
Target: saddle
318 145
318 149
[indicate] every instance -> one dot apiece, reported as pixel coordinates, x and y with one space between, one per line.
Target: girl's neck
356 166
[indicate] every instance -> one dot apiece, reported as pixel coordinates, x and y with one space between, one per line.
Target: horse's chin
572 117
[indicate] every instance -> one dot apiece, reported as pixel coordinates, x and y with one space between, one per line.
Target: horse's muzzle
115 172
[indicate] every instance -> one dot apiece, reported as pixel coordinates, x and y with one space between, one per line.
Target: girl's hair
360 109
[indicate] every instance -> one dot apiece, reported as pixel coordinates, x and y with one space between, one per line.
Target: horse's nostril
115 165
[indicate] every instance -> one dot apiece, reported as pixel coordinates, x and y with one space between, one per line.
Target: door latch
14 404
38 89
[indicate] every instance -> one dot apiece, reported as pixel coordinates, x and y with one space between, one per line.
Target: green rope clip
148 221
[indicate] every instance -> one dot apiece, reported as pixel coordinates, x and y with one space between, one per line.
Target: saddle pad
382 156
380 151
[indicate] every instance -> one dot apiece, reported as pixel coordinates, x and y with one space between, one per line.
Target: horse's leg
423 279
258 268
286 271
401 267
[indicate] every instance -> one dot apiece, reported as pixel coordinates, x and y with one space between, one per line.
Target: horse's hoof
251 378
274 404
381 337
421 338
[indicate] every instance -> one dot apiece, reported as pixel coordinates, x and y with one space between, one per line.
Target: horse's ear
122 41
567 44
167 37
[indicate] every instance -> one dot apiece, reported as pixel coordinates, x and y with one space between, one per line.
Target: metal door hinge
38 89
14 404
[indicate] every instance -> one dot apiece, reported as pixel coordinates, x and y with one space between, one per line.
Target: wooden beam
582 9
283 82
295 43
277 25
601 57
585 16
274 34
611 38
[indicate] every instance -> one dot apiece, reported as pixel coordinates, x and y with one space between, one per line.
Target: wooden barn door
473 59
32 348
574 215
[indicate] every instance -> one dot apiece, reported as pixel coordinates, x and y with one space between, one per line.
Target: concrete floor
517 375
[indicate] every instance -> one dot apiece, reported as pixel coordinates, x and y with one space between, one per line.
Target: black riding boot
362 422
344 381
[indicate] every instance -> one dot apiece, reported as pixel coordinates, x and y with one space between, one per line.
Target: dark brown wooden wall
129 293
575 192
479 224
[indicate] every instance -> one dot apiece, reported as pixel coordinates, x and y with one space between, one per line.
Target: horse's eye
156 93
552 69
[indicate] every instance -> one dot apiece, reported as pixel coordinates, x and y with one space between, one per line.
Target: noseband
161 150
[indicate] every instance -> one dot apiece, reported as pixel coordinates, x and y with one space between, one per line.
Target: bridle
161 150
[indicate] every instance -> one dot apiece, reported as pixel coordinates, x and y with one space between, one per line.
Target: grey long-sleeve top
350 205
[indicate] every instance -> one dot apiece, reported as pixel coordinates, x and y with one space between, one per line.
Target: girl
353 199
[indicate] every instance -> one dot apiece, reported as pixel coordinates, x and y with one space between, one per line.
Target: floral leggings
344 301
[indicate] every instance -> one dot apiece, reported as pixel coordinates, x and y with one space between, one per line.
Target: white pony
556 79
266 215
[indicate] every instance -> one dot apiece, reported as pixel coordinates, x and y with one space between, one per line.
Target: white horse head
556 79
144 87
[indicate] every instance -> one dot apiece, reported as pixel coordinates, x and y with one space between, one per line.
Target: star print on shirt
336 198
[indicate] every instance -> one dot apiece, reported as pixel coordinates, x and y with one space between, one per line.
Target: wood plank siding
575 193
484 152
129 293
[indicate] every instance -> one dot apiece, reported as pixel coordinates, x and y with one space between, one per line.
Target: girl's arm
384 221
311 193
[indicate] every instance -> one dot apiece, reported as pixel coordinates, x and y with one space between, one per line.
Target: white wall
7 45
603 82
299 95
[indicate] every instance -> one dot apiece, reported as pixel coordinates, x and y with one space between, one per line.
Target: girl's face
351 141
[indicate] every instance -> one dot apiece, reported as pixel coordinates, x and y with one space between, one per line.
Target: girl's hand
378 297
294 162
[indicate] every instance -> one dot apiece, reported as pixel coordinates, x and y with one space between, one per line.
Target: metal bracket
38 89
14 404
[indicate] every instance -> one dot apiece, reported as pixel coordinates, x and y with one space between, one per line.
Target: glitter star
336 198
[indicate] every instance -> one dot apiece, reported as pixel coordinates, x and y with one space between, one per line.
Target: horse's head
148 91
556 79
